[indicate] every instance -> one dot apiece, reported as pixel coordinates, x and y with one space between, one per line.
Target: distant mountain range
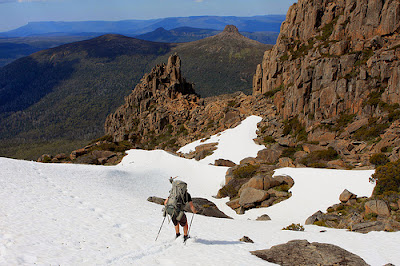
57 100
136 27
36 36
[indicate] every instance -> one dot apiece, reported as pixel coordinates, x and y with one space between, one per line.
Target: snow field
60 214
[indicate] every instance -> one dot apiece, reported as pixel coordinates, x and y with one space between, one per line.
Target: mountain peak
231 29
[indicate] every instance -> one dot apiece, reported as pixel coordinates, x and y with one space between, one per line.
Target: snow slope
62 214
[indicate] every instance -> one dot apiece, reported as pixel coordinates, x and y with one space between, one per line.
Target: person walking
175 204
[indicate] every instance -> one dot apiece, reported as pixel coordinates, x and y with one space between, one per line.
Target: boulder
346 195
336 164
248 160
366 227
270 182
234 204
278 194
269 155
301 252
223 162
263 217
249 196
256 182
203 207
77 153
285 179
315 217
285 162
378 207
246 239
45 158
268 202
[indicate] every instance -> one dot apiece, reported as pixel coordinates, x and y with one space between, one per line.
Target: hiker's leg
185 229
177 228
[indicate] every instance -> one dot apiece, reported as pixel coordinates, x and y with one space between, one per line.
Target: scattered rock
246 239
346 195
223 162
249 196
301 252
378 207
285 162
263 217
203 207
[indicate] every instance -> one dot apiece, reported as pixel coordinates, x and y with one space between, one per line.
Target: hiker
175 204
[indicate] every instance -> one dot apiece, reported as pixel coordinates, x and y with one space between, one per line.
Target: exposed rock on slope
301 252
330 56
163 111
334 79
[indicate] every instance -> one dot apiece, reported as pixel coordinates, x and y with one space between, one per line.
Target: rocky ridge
163 111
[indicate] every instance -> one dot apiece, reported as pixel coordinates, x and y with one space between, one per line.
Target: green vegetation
65 94
271 93
320 223
295 128
245 171
341 122
268 140
319 158
379 159
371 216
218 66
372 130
290 151
294 227
387 178
327 30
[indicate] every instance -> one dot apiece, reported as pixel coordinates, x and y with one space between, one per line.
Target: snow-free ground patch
64 214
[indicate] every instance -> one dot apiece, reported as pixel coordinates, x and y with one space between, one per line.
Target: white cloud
199 1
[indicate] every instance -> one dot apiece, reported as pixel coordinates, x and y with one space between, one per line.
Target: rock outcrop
361 215
163 111
330 55
334 75
301 252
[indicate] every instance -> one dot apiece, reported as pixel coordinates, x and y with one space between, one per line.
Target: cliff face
330 56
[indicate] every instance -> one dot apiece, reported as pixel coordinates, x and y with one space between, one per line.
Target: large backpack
177 199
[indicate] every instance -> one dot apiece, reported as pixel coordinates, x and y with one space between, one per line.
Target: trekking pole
160 228
190 226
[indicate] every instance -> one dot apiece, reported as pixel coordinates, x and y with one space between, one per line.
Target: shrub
294 227
246 171
271 93
269 139
378 159
387 178
290 151
371 216
295 128
320 223
317 158
370 131
108 138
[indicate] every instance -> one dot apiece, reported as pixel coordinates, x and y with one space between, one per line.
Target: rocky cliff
334 74
330 55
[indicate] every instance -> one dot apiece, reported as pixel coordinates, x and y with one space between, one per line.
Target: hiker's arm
165 201
192 207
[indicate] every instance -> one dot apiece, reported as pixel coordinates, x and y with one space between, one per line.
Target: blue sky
16 13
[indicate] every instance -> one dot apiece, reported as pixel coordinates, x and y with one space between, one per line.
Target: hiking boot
185 238
178 235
